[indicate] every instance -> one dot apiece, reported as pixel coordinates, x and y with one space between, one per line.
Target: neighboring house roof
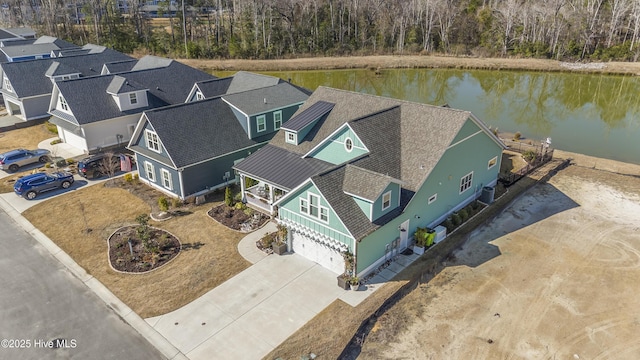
214 87
89 98
308 115
120 85
151 62
57 69
61 44
265 99
24 31
14 42
28 77
364 183
120 66
70 52
243 81
282 167
29 50
198 131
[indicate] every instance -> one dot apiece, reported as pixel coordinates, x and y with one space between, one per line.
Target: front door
404 235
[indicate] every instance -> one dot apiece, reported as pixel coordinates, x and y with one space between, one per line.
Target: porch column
271 194
244 198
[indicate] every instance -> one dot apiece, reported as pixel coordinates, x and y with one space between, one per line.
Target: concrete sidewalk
62 150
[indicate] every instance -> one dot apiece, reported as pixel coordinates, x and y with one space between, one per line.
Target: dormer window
386 200
153 143
133 98
261 123
63 103
290 137
277 120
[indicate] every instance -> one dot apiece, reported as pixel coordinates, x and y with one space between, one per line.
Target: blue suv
32 185
14 159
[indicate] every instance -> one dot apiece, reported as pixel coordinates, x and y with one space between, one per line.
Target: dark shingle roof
6 35
59 69
243 81
191 132
308 115
89 101
358 224
258 101
29 50
281 167
120 85
120 66
151 62
214 87
28 77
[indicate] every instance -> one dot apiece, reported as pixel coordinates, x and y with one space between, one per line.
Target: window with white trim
133 98
7 84
261 123
348 144
63 103
386 200
199 96
290 137
153 143
148 169
277 120
492 163
432 198
311 206
166 179
465 182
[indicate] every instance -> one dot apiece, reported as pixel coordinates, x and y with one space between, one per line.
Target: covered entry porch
260 194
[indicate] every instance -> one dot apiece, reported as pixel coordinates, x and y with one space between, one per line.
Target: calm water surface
597 115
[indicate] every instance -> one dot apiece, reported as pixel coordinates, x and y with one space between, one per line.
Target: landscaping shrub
228 196
248 211
239 206
457 220
136 177
529 155
163 204
56 141
128 178
517 136
51 127
464 215
448 223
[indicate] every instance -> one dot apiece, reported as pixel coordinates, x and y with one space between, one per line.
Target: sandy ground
412 61
555 276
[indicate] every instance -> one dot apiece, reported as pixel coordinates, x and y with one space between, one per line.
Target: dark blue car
32 185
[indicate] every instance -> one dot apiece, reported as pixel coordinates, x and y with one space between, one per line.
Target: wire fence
535 155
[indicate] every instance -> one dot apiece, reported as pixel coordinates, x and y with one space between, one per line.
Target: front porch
260 194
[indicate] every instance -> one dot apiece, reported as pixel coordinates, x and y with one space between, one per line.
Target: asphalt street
47 313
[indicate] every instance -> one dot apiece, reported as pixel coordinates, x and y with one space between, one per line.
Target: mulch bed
245 220
164 247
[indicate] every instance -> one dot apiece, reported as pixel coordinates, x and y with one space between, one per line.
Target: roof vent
265 100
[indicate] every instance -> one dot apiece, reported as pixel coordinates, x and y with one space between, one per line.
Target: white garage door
320 253
72 139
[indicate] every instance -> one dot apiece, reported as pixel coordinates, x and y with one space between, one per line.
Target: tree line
267 29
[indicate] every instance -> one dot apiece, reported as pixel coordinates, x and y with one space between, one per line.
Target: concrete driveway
21 204
252 313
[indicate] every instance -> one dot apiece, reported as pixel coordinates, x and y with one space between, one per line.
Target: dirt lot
555 276
412 61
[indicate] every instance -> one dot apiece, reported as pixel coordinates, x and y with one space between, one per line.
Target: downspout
181 184
355 257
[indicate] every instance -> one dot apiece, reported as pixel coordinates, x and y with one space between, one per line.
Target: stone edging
143 272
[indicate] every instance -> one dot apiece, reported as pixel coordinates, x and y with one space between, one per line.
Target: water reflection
596 115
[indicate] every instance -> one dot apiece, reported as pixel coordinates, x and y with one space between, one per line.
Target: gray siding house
27 85
190 149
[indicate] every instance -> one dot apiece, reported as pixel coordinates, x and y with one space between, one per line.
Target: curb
110 300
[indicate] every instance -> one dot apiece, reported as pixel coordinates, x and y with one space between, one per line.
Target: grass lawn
27 138
209 256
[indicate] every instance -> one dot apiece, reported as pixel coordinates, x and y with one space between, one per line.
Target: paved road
41 301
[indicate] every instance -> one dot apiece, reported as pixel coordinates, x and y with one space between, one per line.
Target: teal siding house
190 149
358 173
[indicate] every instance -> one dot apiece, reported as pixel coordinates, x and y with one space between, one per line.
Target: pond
596 115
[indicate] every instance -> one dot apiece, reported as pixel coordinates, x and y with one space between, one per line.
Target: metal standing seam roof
308 115
281 167
258 101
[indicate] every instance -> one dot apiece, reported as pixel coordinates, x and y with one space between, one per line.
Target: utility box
487 195
441 233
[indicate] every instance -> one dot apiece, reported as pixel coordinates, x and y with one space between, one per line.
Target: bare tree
109 165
